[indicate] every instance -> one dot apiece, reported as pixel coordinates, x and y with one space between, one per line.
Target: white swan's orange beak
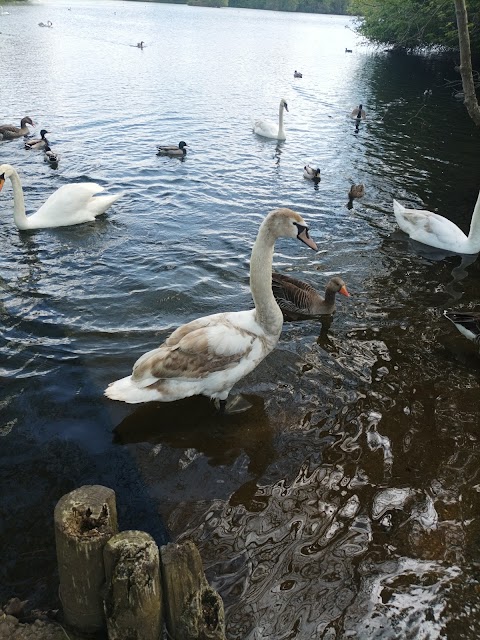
304 237
344 291
2 181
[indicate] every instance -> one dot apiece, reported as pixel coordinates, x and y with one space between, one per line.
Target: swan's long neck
19 215
267 310
474 234
281 132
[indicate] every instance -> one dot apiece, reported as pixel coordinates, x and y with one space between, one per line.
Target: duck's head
182 145
43 133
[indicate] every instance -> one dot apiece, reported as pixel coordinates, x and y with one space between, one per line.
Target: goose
180 150
268 129
209 355
69 205
359 113
356 191
50 156
9 131
436 231
467 322
298 299
310 173
39 143
297 74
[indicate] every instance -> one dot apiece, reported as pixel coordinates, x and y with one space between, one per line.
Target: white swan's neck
19 215
281 132
474 233
268 312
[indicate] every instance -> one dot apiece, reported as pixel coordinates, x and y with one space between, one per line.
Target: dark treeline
306 6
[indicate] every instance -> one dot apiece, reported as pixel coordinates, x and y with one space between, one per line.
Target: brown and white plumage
172 150
299 300
10 131
209 355
356 191
37 143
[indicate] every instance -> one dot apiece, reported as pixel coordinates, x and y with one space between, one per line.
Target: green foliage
308 6
208 3
415 24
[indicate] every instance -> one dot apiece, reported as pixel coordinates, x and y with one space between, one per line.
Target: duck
140 44
9 131
210 354
39 143
348 50
50 156
310 173
268 129
299 300
359 113
467 322
71 204
356 191
297 74
436 231
172 150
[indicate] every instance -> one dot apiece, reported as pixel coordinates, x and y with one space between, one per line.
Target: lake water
345 503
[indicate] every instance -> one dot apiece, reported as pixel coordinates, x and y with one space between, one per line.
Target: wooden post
133 597
194 611
85 520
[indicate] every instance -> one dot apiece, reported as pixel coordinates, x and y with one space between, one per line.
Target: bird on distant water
9 131
359 113
50 156
38 143
70 204
356 191
467 322
207 356
348 50
297 74
172 150
310 173
298 300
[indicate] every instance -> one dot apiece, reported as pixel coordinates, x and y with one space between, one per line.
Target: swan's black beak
305 238
2 181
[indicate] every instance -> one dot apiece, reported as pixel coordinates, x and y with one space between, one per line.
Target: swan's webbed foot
231 405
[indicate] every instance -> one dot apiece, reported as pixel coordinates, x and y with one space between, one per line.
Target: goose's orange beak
344 291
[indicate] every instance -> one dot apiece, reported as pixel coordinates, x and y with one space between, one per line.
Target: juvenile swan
71 204
436 231
209 355
269 129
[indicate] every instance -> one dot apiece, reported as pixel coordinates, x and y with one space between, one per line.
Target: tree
466 71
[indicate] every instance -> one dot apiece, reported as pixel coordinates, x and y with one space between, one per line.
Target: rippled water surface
345 502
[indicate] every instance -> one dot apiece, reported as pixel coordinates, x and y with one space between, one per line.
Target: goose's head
285 223
5 172
26 120
337 285
284 104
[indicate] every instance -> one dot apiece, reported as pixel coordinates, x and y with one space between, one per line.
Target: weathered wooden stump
194 611
133 594
85 520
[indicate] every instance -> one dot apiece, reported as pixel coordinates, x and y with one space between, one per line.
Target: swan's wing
428 227
467 322
69 199
216 346
265 128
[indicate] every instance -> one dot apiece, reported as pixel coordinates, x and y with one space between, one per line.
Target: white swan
209 355
269 129
69 205
436 231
